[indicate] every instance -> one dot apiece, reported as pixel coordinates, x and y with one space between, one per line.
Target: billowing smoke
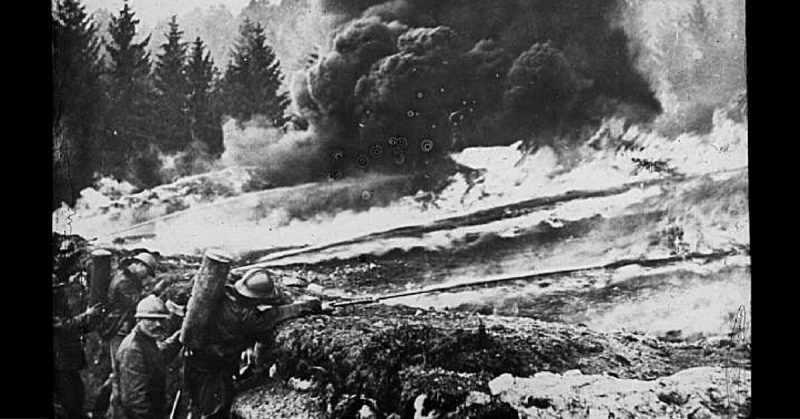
404 82
407 81
282 157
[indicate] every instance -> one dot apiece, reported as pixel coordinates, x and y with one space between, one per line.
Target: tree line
117 110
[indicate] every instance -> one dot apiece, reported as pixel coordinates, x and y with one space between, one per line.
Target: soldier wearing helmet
68 355
141 363
248 313
124 292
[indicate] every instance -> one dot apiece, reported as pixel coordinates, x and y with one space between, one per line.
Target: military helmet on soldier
260 284
151 307
148 260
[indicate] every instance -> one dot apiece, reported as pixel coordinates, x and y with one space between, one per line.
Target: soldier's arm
170 346
134 382
270 317
83 322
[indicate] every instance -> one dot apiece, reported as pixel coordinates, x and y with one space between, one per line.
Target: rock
315 289
673 397
419 409
622 360
294 281
538 402
572 373
366 412
477 397
701 413
578 396
301 385
501 384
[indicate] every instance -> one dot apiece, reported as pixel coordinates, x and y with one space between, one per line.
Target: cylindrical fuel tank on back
99 276
206 293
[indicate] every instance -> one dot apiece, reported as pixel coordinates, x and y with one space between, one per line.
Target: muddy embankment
398 361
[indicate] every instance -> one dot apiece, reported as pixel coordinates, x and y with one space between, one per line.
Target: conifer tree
171 82
76 99
205 122
129 143
253 77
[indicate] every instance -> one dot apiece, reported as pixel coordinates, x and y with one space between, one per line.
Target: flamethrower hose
542 274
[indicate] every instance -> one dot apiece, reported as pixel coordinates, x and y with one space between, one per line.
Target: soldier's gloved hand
327 308
313 305
95 310
176 335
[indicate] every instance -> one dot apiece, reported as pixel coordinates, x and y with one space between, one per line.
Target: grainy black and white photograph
400 209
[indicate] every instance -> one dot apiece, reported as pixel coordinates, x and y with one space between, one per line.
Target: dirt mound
393 355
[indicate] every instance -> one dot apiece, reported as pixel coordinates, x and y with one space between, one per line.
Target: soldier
68 355
141 363
249 311
125 291
177 296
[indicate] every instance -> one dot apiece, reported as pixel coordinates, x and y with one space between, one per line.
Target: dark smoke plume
409 80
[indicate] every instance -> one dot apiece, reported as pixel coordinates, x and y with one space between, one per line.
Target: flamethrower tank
206 293
99 276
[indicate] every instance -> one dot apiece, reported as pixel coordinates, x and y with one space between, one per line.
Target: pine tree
76 99
170 80
130 140
253 77
205 122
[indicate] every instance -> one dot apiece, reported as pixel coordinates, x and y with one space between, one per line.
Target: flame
612 159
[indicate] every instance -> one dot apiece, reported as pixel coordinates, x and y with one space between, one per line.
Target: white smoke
283 157
692 52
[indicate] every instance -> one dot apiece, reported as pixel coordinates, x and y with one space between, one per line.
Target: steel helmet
259 284
148 260
151 307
